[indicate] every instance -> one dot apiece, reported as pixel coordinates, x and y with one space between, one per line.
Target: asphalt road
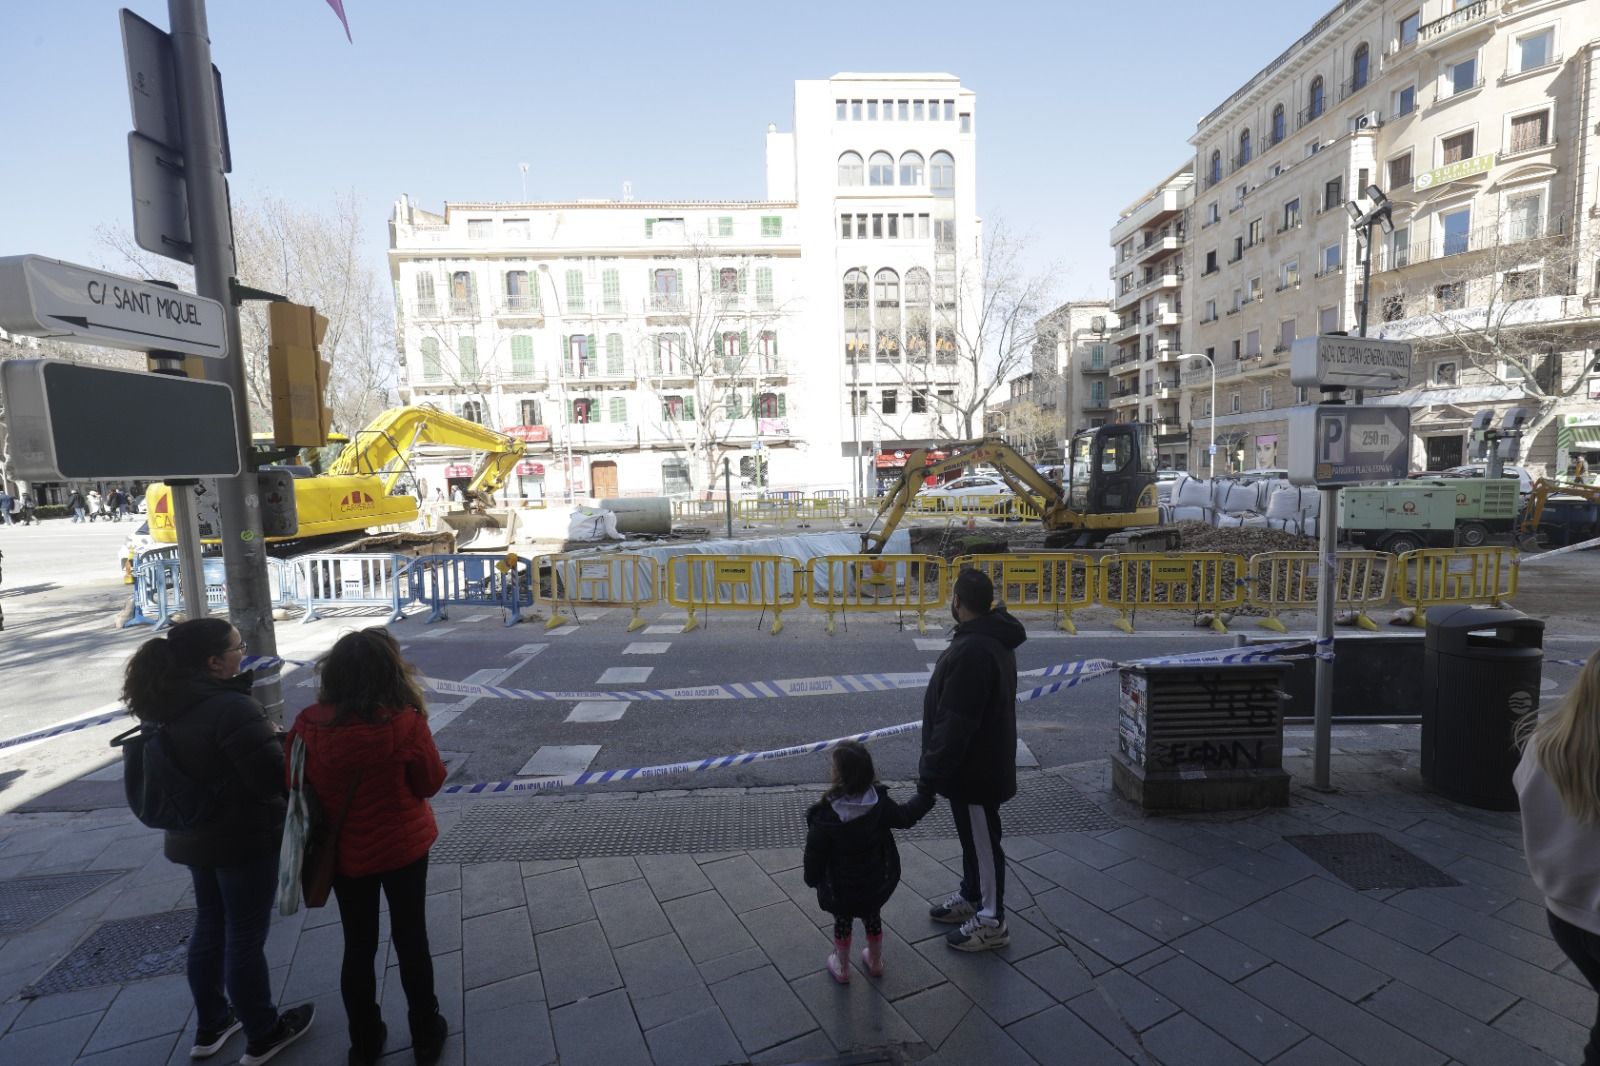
61 659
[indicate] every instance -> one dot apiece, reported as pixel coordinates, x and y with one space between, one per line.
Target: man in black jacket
969 754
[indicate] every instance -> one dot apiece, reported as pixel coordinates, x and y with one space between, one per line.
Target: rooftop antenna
524 168
627 192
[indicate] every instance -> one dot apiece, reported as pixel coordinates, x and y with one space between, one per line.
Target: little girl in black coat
851 859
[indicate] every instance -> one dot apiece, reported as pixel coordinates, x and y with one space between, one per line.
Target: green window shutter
612 289
774 336
744 343
783 405
597 411
431 370
764 284
735 406
522 356
688 408
619 408
469 357
649 227
742 273
566 354
614 354
591 356
678 274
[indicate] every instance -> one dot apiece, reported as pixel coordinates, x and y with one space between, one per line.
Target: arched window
1278 125
1358 68
1214 172
850 168
1244 148
857 321
770 405
942 174
911 168
880 169
918 314
886 307
472 411
1315 98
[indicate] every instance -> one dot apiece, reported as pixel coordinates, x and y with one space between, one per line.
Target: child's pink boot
872 955
839 961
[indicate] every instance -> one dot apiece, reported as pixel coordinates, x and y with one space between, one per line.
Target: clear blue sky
1082 106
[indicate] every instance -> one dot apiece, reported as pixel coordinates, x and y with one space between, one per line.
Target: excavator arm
1543 489
1018 474
384 446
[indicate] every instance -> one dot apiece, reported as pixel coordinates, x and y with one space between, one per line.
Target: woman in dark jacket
188 682
851 858
370 754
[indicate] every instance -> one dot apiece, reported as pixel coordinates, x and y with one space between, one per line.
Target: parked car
1262 473
1524 479
971 485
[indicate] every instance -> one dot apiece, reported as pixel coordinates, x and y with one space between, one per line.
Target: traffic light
300 414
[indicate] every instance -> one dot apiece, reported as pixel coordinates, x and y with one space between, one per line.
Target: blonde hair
1566 744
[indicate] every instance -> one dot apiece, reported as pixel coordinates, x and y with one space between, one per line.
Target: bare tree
995 337
311 257
1503 299
714 368
1028 426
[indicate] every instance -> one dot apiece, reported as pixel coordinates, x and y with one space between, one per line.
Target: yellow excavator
357 489
1539 497
1109 494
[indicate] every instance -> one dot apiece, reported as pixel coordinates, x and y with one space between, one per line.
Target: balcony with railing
1126 297
512 305
463 308
1447 26
1125 363
1504 234
1168 239
1097 401
1130 326
1167 317
1128 397
526 374
1168 351
665 303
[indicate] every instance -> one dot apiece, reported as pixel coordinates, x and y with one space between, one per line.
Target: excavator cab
1112 467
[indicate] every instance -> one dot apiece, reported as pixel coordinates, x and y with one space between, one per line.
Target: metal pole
1211 469
1328 548
727 493
244 554
192 571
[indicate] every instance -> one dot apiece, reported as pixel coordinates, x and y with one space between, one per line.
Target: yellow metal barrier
619 580
800 511
1000 505
845 584
1286 580
686 510
1171 581
1433 576
700 583
1060 582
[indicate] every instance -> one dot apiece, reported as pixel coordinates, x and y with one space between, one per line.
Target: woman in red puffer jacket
368 744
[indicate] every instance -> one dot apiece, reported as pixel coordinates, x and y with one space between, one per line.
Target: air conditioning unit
1370 121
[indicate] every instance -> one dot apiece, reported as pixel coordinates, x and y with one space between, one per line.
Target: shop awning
1579 431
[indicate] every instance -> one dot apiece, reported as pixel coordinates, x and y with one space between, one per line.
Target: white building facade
1478 122
636 345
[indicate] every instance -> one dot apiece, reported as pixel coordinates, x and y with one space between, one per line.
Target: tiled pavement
1197 940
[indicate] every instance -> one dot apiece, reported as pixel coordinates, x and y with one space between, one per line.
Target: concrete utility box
1206 736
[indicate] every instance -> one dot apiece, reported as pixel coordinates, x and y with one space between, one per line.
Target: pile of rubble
1241 540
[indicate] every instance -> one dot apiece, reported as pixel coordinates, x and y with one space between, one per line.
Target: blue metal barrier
443 581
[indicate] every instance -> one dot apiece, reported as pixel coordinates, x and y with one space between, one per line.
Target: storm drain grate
539 828
130 949
27 901
1371 860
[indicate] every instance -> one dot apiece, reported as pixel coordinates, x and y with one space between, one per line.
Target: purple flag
338 9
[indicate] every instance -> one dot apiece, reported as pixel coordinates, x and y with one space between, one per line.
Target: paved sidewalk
1206 939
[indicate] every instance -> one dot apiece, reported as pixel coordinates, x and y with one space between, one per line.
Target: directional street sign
74 422
42 297
1338 444
1350 362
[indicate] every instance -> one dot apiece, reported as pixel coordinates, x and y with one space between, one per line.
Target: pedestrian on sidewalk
851 858
369 752
76 504
97 504
969 754
7 504
188 682
1558 786
28 518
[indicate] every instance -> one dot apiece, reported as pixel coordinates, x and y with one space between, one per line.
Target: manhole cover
539 828
1371 860
131 949
27 901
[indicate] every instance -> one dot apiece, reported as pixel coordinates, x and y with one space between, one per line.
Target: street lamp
1211 469
1362 222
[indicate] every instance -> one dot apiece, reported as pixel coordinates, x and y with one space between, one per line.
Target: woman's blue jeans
228 951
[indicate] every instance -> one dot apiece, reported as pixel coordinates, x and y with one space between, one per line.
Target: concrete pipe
641 514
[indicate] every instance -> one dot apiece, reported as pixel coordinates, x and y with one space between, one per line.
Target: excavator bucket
492 530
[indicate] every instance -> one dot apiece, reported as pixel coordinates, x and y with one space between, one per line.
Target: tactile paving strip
542 828
27 901
130 949
1370 860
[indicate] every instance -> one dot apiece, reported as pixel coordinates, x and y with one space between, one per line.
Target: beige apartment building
1477 121
1071 380
1151 248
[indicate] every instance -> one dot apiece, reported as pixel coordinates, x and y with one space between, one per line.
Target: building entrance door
603 478
1443 452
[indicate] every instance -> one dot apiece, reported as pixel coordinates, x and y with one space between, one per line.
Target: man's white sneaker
953 911
976 934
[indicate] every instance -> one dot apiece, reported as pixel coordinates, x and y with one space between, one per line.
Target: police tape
715 762
1530 560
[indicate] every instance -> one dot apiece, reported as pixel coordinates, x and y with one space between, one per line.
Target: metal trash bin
1480 675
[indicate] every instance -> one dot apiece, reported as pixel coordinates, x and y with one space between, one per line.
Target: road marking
598 711
556 760
658 630
527 651
109 772
1025 758
626 675
562 631
440 717
931 643
647 647
436 631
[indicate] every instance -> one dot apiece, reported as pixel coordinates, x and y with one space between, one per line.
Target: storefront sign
1466 168
529 434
